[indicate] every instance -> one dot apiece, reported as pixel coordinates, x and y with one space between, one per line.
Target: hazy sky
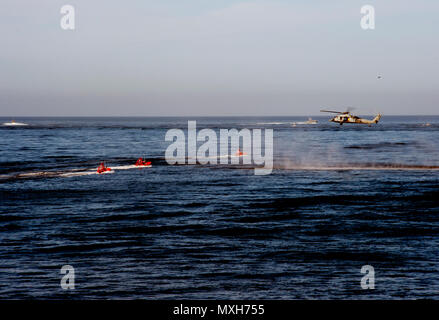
217 57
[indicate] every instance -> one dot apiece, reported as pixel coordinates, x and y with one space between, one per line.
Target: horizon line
205 116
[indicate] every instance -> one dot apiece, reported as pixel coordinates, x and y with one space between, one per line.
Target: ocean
339 198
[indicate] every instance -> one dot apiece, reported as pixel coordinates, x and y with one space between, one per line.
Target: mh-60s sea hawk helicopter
347 117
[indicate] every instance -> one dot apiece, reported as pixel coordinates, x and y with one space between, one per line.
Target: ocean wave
380 145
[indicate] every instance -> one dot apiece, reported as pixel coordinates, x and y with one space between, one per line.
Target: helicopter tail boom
373 121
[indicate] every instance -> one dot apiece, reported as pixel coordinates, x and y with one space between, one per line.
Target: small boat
309 121
13 123
142 163
239 153
103 168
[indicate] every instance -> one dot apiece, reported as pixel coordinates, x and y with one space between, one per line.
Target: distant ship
309 121
13 123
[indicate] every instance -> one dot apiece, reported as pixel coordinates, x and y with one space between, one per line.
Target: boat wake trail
66 173
356 166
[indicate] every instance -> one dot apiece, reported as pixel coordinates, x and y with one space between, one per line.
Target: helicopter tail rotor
377 118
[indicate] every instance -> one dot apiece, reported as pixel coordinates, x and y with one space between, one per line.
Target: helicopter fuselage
348 118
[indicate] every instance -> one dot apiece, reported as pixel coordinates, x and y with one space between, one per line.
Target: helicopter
347 117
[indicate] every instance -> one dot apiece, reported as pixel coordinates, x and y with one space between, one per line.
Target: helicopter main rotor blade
330 111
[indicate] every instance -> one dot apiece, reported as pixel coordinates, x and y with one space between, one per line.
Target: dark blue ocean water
338 198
